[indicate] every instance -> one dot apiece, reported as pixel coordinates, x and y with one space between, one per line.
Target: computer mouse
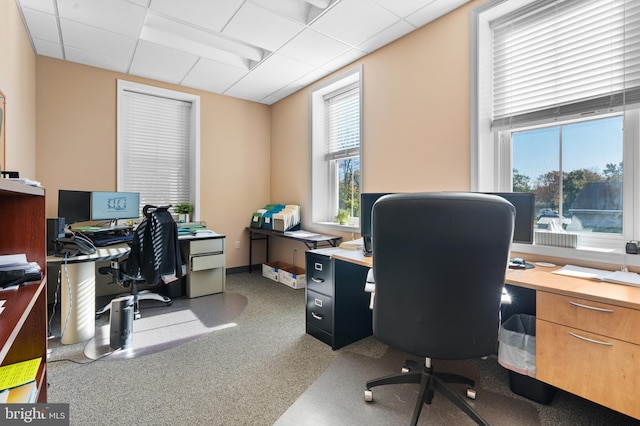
518 261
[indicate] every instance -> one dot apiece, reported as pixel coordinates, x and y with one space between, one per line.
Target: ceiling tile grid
259 50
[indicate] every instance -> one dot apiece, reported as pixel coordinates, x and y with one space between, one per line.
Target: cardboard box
293 276
270 269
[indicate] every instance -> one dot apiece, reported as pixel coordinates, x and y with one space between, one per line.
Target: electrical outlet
237 244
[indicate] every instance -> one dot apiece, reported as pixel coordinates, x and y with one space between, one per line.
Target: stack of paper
618 277
18 381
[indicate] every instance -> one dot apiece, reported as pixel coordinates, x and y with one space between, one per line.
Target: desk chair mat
162 327
337 397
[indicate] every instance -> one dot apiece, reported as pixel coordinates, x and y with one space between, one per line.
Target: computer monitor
367 199
74 206
524 202
115 205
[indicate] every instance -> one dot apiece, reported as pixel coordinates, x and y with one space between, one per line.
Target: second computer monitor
115 205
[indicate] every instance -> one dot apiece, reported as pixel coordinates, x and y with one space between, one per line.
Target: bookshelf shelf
23 334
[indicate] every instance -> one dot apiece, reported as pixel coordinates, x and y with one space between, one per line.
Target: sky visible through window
588 145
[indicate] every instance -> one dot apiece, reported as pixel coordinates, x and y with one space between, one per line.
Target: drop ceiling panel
209 14
47 48
96 60
259 50
371 19
45 26
260 27
324 48
118 16
213 76
394 32
96 40
405 8
433 11
161 63
41 5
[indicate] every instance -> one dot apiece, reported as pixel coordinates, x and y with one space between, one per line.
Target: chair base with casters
429 382
137 294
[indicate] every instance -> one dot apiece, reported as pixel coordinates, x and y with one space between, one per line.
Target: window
555 99
335 151
158 144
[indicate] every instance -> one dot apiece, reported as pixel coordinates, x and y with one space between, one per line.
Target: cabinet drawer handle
590 340
580 305
317 316
317 280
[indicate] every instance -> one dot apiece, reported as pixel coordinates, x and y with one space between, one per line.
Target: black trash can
517 353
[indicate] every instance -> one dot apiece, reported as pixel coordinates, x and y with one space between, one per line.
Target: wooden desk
604 369
587 336
312 242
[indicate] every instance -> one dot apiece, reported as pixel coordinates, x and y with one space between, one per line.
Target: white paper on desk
27 267
12 259
617 277
300 234
582 272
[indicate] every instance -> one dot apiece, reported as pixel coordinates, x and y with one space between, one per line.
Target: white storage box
293 276
271 269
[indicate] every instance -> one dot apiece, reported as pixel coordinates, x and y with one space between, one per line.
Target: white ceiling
259 50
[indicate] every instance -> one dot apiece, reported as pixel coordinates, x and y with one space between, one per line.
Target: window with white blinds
155 147
561 58
343 123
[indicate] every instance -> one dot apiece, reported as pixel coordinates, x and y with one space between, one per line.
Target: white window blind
560 58
155 148
343 123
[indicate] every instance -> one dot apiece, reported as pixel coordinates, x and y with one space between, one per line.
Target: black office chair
439 266
154 258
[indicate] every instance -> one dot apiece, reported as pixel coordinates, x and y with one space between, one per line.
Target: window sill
616 257
332 226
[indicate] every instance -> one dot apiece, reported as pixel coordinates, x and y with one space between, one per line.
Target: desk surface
538 278
541 278
103 253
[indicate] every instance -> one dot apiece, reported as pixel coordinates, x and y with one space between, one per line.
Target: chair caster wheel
170 303
406 369
368 395
471 393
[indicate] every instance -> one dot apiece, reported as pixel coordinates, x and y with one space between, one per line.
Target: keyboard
106 239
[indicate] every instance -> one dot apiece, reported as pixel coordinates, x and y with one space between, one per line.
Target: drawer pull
317 280
317 316
591 340
580 305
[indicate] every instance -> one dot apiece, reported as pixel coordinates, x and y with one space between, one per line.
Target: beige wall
416 129
76 145
416 133
17 81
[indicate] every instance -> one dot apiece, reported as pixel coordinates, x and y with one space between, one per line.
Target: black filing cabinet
337 306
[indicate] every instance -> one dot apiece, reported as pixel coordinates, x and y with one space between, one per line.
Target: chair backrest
439 264
155 249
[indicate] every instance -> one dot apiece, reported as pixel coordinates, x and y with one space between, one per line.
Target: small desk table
312 240
78 295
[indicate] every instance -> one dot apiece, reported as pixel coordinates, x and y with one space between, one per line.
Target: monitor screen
115 205
367 199
74 206
524 202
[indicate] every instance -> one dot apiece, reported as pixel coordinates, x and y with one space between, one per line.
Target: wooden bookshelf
23 331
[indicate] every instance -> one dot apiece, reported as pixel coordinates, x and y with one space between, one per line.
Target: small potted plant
342 217
184 210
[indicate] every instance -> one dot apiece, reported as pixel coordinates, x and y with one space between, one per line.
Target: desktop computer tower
121 322
55 229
